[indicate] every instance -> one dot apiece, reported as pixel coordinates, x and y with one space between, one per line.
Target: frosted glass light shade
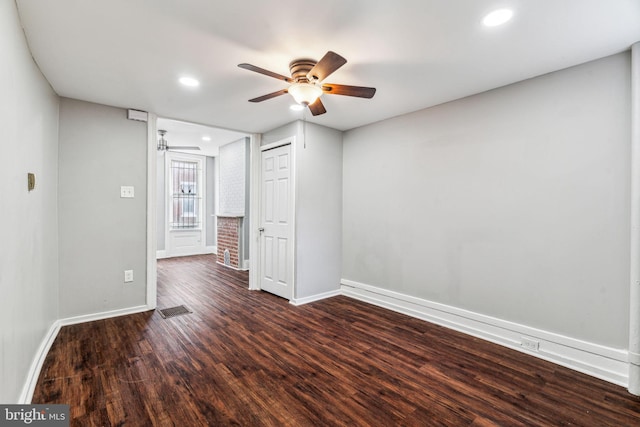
305 93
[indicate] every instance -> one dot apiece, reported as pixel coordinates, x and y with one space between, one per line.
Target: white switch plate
126 191
128 276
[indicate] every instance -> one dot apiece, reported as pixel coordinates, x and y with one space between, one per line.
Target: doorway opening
190 189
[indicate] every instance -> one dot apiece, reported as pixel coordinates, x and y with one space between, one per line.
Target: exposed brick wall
228 238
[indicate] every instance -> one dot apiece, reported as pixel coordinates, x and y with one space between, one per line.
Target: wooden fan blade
265 72
269 96
359 91
329 63
317 108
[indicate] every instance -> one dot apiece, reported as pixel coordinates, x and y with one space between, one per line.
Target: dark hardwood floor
251 359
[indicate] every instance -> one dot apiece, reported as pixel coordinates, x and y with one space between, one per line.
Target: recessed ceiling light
189 81
206 138
297 107
497 17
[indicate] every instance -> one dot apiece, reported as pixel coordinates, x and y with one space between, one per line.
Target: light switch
128 276
126 191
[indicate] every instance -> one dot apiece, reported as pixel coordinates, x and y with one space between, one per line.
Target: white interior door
276 215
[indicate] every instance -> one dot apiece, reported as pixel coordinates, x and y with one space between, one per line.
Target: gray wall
318 211
28 220
513 203
282 132
318 172
101 234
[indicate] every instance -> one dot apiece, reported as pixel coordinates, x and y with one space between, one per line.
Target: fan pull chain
304 128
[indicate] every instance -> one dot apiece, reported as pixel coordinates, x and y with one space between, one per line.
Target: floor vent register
174 311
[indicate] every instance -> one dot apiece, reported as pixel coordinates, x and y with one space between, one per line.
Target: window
185 197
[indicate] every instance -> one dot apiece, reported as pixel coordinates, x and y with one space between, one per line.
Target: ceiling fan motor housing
300 68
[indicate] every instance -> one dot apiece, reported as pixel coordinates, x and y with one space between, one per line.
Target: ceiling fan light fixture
162 143
296 107
305 86
305 93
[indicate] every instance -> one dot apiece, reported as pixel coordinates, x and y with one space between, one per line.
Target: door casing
255 272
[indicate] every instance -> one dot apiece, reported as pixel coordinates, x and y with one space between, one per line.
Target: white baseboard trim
103 315
228 266
162 254
317 297
38 361
245 265
602 362
599 361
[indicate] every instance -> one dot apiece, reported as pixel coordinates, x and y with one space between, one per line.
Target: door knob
261 229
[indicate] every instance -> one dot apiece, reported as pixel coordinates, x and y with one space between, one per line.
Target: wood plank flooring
248 358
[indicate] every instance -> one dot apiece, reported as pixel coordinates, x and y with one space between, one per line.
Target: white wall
101 234
318 169
233 197
233 177
28 220
513 203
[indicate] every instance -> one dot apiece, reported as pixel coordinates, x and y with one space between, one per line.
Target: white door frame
152 229
255 207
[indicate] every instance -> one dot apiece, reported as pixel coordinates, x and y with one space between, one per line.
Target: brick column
229 239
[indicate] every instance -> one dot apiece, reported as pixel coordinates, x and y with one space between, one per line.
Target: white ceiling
181 134
417 53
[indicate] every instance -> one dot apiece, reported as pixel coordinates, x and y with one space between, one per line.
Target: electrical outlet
529 344
126 191
128 276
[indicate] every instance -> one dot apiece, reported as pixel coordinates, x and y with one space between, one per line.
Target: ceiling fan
307 82
162 143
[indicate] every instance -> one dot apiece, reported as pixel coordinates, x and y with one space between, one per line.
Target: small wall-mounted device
128 276
127 191
31 181
141 116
